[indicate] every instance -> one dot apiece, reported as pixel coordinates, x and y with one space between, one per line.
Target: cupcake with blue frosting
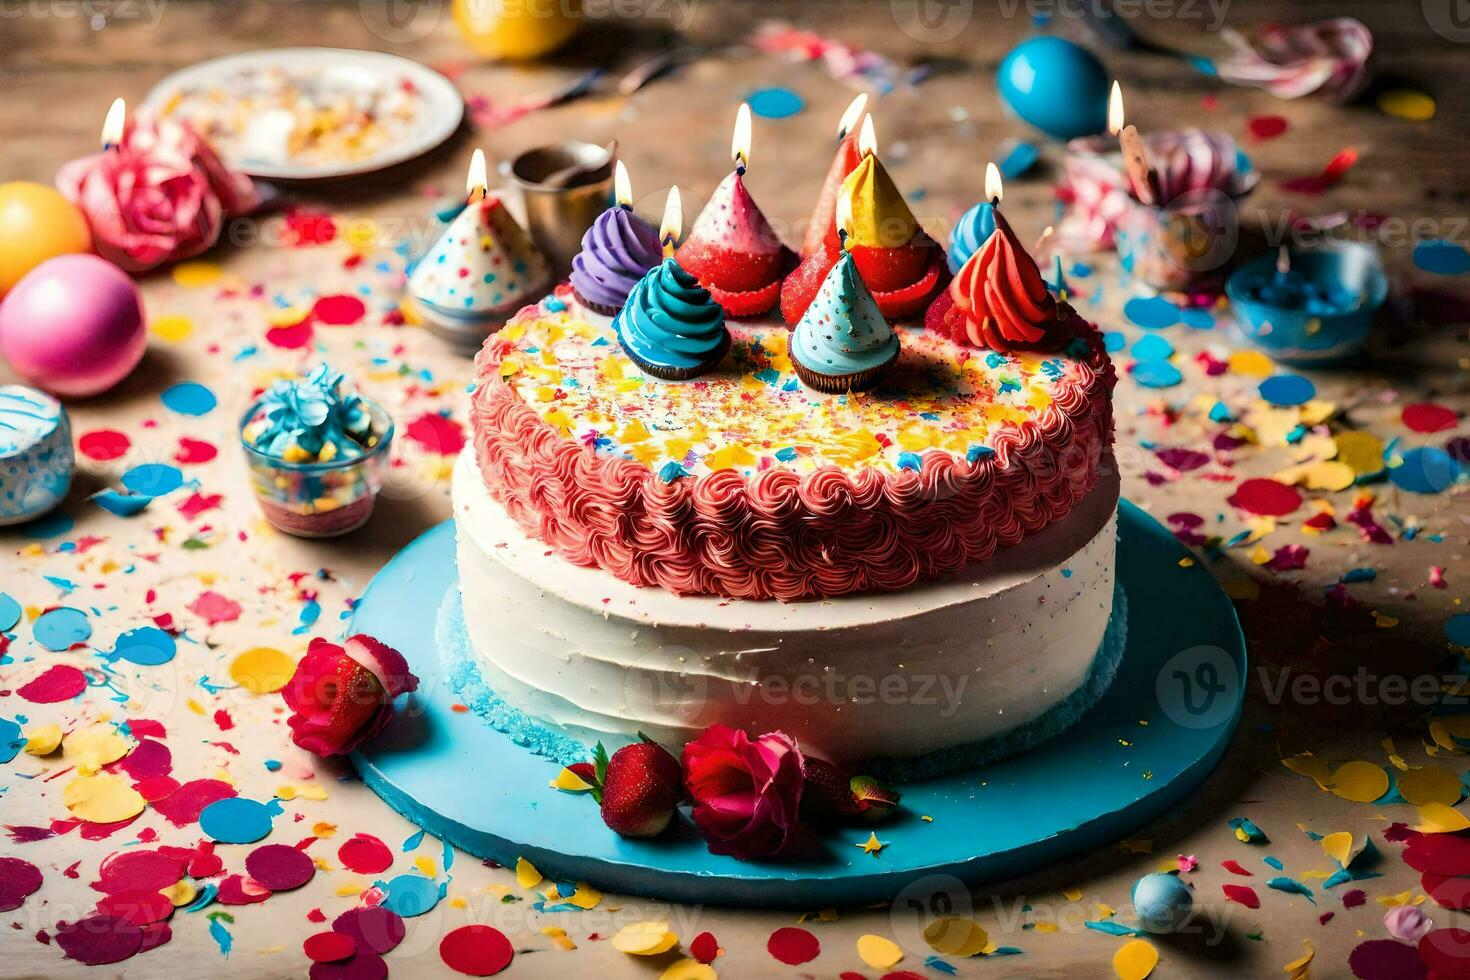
970 232
671 327
36 458
842 342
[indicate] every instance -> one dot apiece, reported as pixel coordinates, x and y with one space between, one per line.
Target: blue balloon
1057 86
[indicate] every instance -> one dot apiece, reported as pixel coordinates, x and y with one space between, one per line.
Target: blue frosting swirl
670 320
970 232
308 414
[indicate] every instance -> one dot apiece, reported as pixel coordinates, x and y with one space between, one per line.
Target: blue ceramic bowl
1294 336
1057 86
36 457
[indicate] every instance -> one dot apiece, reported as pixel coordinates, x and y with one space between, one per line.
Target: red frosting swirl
1004 301
783 535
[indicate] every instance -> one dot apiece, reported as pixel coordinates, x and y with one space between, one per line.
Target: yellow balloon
36 224
517 30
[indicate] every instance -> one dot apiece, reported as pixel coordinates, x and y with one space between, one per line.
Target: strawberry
904 301
730 271
826 795
640 786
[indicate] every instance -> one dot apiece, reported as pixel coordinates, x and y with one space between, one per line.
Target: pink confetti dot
194 451
365 854
183 806
293 337
436 434
99 939
102 445
214 608
135 870
18 880
377 929
339 311
54 685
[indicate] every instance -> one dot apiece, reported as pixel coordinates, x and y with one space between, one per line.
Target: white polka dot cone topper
483 263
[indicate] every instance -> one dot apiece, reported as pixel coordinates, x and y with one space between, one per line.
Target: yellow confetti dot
181 892
262 670
526 874
172 329
1330 476
1298 969
954 936
1251 363
644 939
92 748
194 275
1072 894
1135 960
877 952
585 897
1436 818
1361 782
103 798
427 866
1402 103
1430 785
872 845
1339 847
1361 451
569 782
687 969
43 740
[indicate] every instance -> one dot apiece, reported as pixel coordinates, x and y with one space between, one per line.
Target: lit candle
868 138
844 219
993 189
673 223
1141 174
475 182
740 139
850 117
114 124
843 163
622 187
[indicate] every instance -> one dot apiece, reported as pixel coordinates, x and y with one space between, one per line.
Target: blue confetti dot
11 740
1425 470
189 398
409 895
58 629
1114 341
122 504
9 612
775 103
237 820
1457 630
1156 374
1021 158
1151 312
1445 258
146 646
153 479
1287 389
1152 347
1198 318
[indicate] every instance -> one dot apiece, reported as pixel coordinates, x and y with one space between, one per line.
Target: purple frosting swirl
616 252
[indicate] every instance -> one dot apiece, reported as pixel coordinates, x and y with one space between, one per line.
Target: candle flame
844 217
1040 245
1283 261
1115 109
851 116
475 181
673 223
993 189
868 138
622 185
740 142
112 127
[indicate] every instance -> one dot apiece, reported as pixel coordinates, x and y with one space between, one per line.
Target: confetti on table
19 879
329 947
1425 469
1135 960
878 952
1407 104
644 939
103 445
10 612
61 682
61 628
280 867
1442 257
102 798
189 398
775 103
236 820
1287 389
262 670
410 895
1269 498
1151 312
146 646
476 950
793 946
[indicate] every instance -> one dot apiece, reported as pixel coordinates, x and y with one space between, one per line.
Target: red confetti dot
1447 953
1385 959
1234 868
1451 892
279 867
1242 895
1268 498
54 685
705 947
141 908
793 946
365 854
240 890
375 928
339 311
183 806
1266 127
293 336
329 947
1429 417
194 451
104 444
476 951
99 939
1440 854
18 880
436 434
139 870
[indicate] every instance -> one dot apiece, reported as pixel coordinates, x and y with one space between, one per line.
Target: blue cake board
1146 746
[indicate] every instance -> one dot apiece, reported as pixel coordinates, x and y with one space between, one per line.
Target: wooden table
59 74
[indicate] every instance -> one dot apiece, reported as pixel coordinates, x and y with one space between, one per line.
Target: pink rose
161 195
747 793
342 696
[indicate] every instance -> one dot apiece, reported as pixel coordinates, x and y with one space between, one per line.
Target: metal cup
563 188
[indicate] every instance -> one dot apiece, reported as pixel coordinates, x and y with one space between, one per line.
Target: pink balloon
73 326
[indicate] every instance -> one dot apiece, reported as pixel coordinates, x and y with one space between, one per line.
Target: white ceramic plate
431 108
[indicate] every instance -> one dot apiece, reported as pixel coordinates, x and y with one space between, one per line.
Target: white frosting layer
942 664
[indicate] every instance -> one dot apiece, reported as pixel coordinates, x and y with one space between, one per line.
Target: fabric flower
161 195
746 792
342 696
